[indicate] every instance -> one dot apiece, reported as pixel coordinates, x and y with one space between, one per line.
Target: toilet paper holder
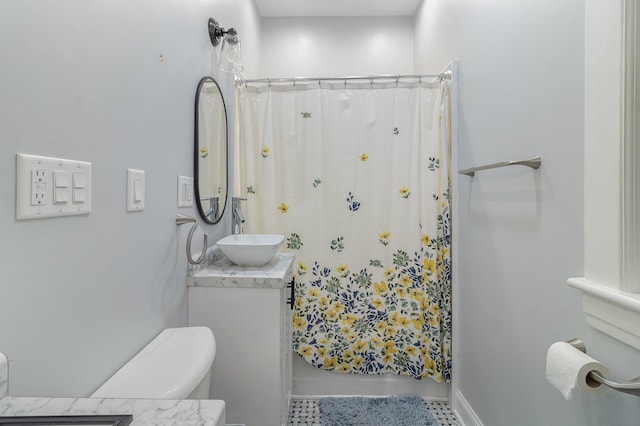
630 386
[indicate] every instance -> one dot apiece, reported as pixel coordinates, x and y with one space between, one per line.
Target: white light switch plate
135 190
185 191
45 187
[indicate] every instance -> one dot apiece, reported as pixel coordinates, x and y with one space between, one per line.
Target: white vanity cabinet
248 311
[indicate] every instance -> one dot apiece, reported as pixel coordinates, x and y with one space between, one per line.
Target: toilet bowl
174 365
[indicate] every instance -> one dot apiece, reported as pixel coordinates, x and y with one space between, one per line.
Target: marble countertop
145 412
223 273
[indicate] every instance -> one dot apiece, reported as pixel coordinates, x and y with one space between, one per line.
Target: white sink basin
250 249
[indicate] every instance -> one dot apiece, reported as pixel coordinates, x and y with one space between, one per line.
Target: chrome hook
181 219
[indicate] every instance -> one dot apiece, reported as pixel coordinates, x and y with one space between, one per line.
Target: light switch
79 188
79 180
61 178
60 186
79 196
185 191
189 197
135 190
44 187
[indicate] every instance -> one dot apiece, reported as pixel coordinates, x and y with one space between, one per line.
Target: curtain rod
445 75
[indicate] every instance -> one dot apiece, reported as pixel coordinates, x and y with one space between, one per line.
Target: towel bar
630 386
181 219
534 163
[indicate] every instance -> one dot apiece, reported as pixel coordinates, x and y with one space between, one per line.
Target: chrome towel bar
630 386
534 163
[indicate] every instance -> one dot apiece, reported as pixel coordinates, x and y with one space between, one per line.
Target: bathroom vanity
247 309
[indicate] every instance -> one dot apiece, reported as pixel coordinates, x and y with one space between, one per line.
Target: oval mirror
210 164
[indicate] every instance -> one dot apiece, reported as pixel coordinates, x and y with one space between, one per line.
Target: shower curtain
356 176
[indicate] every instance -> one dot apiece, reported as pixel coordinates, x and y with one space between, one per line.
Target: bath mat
387 411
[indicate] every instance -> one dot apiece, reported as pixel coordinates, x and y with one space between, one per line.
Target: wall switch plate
185 191
135 190
44 187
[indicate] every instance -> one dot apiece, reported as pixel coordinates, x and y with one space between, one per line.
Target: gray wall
83 80
520 232
331 46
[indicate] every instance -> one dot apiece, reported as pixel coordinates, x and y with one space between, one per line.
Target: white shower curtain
356 176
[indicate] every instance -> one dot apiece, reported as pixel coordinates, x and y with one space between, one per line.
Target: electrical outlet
39 185
43 187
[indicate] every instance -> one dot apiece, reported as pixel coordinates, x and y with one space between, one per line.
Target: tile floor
306 412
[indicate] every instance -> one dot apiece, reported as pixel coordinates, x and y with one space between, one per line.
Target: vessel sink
250 249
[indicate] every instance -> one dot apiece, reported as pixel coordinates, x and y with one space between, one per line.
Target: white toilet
174 365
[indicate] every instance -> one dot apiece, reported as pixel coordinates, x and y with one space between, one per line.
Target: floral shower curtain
356 176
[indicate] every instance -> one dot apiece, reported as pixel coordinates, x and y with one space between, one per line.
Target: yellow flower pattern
372 290
302 268
380 288
404 192
342 270
389 324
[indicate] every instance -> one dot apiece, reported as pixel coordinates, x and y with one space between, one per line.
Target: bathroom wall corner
463 410
4 376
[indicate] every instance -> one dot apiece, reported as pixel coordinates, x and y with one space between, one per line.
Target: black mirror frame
196 155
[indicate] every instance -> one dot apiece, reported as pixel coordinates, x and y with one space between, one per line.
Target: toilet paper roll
567 369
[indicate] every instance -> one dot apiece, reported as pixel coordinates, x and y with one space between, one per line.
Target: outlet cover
44 189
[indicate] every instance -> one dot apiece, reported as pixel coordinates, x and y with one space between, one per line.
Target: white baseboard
315 397
463 411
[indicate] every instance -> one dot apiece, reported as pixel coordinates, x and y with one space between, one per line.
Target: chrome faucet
237 219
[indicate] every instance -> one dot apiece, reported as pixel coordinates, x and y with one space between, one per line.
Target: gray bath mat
387 411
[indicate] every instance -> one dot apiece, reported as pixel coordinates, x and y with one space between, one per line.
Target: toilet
174 365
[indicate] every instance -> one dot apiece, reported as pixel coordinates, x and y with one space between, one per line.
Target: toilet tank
172 366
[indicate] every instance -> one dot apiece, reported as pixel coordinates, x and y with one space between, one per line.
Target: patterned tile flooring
306 412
